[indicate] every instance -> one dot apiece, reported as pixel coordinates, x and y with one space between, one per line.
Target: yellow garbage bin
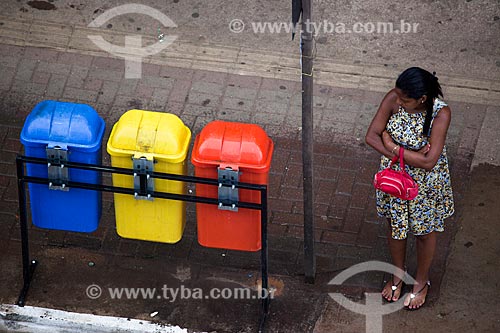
151 141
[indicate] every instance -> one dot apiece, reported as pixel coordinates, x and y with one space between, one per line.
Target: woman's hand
425 149
387 140
390 144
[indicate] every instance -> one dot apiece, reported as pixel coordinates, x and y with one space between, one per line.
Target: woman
412 116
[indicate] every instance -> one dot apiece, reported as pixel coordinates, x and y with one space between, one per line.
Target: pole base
264 312
310 279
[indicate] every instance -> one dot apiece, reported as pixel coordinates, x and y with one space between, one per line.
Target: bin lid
233 144
63 124
150 134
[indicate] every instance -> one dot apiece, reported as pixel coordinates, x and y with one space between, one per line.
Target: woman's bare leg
426 247
398 254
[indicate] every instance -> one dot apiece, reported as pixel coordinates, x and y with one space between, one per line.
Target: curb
14 318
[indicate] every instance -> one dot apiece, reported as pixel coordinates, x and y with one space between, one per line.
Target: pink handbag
396 183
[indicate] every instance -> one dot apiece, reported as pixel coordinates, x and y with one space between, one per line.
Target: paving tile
108 63
275 96
74 59
53 68
180 91
80 95
244 81
241 93
268 119
40 77
127 87
368 235
265 106
106 74
176 73
151 70
279 85
56 87
207 76
41 54
28 87
203 99
237 104
9 61
234 115
337 237
353 220
7 77
159 99
77 76
208 88
107 93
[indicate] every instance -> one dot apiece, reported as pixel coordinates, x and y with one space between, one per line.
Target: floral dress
434 202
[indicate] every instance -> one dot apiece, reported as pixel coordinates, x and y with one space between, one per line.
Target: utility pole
308 139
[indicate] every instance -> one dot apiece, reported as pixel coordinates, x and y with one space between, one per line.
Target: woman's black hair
415 82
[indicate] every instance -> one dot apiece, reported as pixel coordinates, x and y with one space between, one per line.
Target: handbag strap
401 159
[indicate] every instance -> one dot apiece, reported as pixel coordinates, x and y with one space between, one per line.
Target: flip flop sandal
412 296
394 287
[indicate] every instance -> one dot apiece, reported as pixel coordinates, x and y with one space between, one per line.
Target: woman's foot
417 298
392 289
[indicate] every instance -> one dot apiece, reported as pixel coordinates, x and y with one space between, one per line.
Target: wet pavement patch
41 5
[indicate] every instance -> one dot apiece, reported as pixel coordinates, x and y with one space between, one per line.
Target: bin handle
229 166
57 145
139 155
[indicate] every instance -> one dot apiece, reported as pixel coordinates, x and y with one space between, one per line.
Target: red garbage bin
231 152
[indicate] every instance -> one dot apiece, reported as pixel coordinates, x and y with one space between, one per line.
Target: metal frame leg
265 296
28 266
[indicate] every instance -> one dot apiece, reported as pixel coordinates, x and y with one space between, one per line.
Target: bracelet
393 149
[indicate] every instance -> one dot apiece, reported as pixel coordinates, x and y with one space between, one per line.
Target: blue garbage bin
64 131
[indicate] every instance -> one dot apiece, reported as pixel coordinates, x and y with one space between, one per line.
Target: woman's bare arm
428 160
377 127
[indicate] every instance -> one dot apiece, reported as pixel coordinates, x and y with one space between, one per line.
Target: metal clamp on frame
228 194
143 183
58 175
